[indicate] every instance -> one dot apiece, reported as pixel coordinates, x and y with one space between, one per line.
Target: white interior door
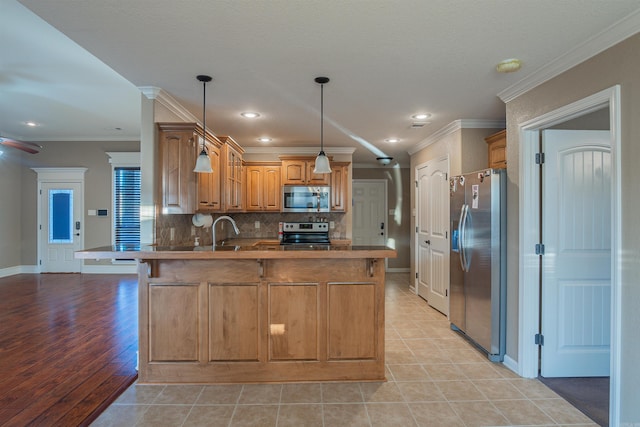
369 205
60 227
432 222
576 265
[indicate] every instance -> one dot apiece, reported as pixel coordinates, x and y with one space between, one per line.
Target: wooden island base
261 320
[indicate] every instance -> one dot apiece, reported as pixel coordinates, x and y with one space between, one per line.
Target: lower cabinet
221 321
173 322
233 322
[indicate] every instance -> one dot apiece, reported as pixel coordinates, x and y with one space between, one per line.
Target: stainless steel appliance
477 305
298 198
305 233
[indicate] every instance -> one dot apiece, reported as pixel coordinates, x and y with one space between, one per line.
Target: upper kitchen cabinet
209 188
299 171
497 149
263 189
339 186
177 157
232 174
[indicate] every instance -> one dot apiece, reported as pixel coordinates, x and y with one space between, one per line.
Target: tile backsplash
184 232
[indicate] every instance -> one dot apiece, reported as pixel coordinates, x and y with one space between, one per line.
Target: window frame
120 160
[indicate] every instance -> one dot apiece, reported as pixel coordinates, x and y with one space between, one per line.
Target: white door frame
58 175
529 273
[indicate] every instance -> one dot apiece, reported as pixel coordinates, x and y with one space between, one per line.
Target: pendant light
322 161
203 163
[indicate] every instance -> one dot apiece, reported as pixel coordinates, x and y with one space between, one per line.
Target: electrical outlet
257 224
172 233
332 224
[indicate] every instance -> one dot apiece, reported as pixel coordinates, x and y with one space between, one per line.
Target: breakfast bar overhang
259 312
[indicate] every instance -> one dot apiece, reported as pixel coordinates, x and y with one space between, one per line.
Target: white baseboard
398 270
19 269
110 269
511 364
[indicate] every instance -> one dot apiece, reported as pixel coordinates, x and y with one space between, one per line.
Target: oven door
305 238
305 199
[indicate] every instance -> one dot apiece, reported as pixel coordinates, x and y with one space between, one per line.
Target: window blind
127 206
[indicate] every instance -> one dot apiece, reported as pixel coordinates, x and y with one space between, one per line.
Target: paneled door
60 227
369 205
576 265
432 234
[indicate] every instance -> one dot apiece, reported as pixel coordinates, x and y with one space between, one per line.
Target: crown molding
163 98
455 126
151 92
298 150
614 34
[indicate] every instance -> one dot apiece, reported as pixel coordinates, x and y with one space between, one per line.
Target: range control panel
301 227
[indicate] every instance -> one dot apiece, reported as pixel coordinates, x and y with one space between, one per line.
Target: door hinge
446 235
446 177
416 274
416 229
539 339
40 262
416 182
539 158
539 249
446 292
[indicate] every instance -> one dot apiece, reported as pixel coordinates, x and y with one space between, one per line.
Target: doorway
432 233
531 215
369 207
60 219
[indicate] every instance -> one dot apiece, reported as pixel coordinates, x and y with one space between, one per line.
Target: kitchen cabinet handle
428 242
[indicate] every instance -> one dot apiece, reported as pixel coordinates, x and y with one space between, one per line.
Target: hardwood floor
67 346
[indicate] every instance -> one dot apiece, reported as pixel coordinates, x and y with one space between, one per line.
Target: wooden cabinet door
233 180
173 319
254 188
293 321
497 149
294 172
234 332
272 189
339 187
352 322
177 155
209 191
316 178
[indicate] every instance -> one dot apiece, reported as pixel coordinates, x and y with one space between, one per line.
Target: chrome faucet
213 227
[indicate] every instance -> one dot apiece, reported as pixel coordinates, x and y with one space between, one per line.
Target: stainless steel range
305 233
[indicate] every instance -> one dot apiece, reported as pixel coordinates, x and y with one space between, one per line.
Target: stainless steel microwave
299 198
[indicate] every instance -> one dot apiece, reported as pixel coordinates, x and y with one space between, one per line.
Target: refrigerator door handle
463 263
463 239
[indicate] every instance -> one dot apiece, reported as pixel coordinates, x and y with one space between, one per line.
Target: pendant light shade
203 163
322 161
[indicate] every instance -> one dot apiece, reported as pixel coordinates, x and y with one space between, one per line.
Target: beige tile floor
434 378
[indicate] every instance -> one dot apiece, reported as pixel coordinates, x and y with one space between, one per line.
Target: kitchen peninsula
256 311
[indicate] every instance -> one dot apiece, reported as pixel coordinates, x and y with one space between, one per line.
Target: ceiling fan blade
29 147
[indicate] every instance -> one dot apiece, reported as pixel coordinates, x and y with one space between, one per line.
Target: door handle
428 242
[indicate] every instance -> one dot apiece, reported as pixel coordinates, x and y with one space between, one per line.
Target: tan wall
10 208
398 198
617 65
91 155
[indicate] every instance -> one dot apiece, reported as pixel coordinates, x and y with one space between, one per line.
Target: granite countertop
240 249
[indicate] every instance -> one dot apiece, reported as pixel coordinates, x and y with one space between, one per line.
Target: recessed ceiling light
31 124
264 139
249 115
392 140
421 116
509 65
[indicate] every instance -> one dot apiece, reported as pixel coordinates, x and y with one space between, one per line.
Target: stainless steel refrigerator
478 262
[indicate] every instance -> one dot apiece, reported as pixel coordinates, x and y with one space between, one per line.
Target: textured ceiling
386 60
